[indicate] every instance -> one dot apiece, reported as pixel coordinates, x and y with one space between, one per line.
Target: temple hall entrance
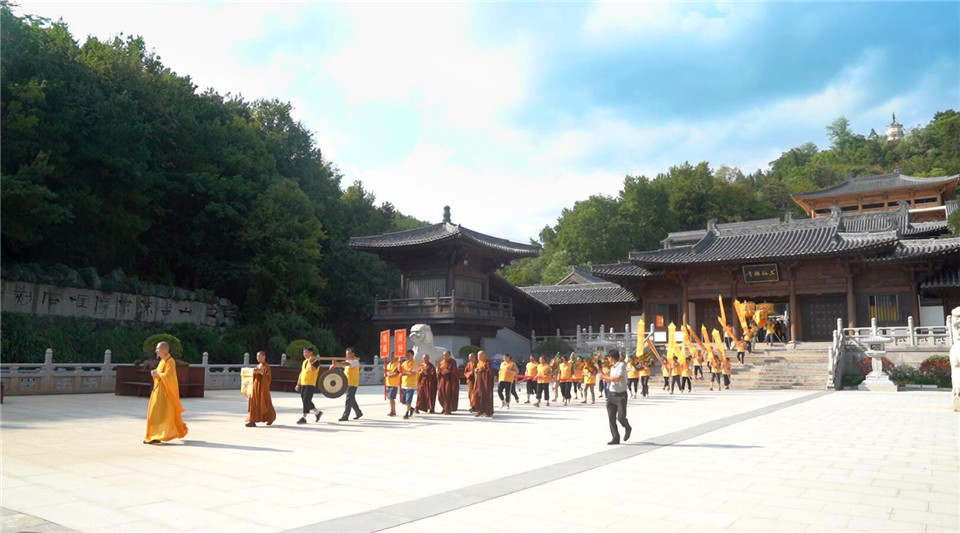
819 314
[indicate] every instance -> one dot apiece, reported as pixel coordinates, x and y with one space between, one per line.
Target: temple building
928 199
584 300
448 281
867 252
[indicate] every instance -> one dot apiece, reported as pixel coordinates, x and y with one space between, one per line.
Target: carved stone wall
49 300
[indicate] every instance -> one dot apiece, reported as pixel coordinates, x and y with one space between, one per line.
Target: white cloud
715 21
421 55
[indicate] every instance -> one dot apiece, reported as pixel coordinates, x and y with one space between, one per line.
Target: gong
333 383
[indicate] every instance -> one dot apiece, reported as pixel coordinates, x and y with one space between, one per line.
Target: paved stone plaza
737 460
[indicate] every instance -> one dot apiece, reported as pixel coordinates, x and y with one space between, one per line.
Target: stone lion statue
422 338
955 353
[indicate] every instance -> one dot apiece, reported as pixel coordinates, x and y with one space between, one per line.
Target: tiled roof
582 273
766 240
519 293
883 182
441 233
951 206
584 293
897 219
622 271
681 238
914 249
948 278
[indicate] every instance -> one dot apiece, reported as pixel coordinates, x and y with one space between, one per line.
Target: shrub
467 350
295 351
552 346
149 345
851 380
937 368
866 365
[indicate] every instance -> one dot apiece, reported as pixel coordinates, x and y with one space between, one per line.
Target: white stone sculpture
422 338
955 357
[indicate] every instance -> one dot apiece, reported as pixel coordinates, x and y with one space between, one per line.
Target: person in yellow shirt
741 346
577 376
351 367
665 370
685 374
531 377
726 371
675 374
165 412
715 373
697 364
644 380
566 380
604 368
508 373
589 383
408 382
307 384
633 377
543 381
392 380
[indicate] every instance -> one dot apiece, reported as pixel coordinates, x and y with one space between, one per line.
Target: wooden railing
444 304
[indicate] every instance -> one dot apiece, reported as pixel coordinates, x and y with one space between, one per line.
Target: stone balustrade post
626 338
246 358
873 327
283 359
602 332
48 357
579 331
949 323
558 333
206 359
107 357
911 332
590 332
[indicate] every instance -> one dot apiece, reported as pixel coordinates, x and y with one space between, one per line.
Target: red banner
400 341
385 343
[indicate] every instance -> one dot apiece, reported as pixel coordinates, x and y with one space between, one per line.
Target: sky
511 112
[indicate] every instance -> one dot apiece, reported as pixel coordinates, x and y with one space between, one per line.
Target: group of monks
571 378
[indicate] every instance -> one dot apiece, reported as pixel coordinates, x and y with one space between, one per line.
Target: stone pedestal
956 404
877 383
877 380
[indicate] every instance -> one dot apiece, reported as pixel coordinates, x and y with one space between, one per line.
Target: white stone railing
908 335
49 377
588 340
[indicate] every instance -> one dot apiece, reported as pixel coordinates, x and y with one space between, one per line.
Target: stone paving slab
833 462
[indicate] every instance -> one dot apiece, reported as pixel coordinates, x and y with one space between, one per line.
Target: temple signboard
765 273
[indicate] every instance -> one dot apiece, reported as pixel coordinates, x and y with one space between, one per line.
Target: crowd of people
421 386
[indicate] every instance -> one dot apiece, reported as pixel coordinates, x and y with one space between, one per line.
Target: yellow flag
741 314
671 340
719 342
640 331
723 312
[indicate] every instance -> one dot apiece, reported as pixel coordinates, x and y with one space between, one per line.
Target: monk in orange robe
260 405
468 371
448 384
164 421
427 386
483 386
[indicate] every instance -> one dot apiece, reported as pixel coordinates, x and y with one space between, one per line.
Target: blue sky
509 112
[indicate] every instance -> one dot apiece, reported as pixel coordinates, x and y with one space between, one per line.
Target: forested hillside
110 160
604 229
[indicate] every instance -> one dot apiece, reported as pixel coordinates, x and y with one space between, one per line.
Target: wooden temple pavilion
448 281
855 264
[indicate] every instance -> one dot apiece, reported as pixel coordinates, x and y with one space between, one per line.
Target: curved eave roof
579 294
868 184
948 278
918 249
624 271
802 238
443 232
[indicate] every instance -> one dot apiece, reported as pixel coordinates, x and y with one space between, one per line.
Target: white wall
507 341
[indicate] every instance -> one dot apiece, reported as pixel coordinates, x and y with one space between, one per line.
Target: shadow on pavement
222 446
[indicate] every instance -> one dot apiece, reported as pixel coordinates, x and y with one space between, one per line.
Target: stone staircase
803 366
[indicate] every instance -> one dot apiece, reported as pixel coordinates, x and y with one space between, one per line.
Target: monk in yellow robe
164 421
260 405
